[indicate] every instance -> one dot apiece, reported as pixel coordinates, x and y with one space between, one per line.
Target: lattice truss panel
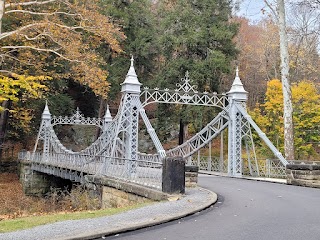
237 138
78 119
184 94
261 134
212 130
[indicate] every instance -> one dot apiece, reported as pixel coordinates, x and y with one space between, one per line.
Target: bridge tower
237 95
127 126
44 132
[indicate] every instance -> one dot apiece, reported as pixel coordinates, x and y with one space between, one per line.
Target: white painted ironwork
268 168
252 162
240 127
115 152
184 94
237 96
77 119
147 173
194 144
262 135
117 147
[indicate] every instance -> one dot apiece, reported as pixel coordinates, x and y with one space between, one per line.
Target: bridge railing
208 163
142 172
269 168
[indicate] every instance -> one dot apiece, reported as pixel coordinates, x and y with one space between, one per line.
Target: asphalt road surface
246 210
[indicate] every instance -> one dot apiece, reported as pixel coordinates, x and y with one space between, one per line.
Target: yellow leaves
274 96
21 87
306 114
93 77
23 117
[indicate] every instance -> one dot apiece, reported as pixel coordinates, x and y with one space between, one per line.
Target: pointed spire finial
107 116
46 113
131 83
237 90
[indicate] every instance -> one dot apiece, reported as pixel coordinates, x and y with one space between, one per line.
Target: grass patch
29 222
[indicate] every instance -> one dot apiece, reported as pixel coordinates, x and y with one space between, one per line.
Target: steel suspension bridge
115 153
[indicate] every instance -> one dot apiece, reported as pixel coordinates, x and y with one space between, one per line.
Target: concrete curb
193 201
260 179
170 216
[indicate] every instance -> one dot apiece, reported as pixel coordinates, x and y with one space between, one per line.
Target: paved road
246 210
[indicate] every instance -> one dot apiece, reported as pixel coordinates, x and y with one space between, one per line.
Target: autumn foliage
58 38
306 116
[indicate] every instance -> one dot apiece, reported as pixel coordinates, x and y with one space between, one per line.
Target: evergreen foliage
194 36
138 24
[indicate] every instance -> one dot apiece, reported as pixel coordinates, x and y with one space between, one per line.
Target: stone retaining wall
38 184
127 187
304 174
112 197
191 173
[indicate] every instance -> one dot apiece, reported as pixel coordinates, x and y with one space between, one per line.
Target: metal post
237 95
221 160
209 166
173 175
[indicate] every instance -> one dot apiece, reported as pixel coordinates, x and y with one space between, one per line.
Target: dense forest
77 53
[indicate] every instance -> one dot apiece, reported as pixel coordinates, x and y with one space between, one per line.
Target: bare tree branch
8 5
6 55
42 50
39 36
7 34
42 13
274 12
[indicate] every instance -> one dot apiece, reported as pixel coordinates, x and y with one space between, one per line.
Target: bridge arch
185 93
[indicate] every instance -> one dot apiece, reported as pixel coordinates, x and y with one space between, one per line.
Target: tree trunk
287 103
102 107
181 132
4 116
1 13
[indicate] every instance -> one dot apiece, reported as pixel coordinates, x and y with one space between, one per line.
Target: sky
251 9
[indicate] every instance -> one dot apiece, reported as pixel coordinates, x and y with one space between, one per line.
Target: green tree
194 36
138 24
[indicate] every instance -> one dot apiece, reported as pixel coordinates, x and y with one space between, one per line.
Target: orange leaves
66 33
93 77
